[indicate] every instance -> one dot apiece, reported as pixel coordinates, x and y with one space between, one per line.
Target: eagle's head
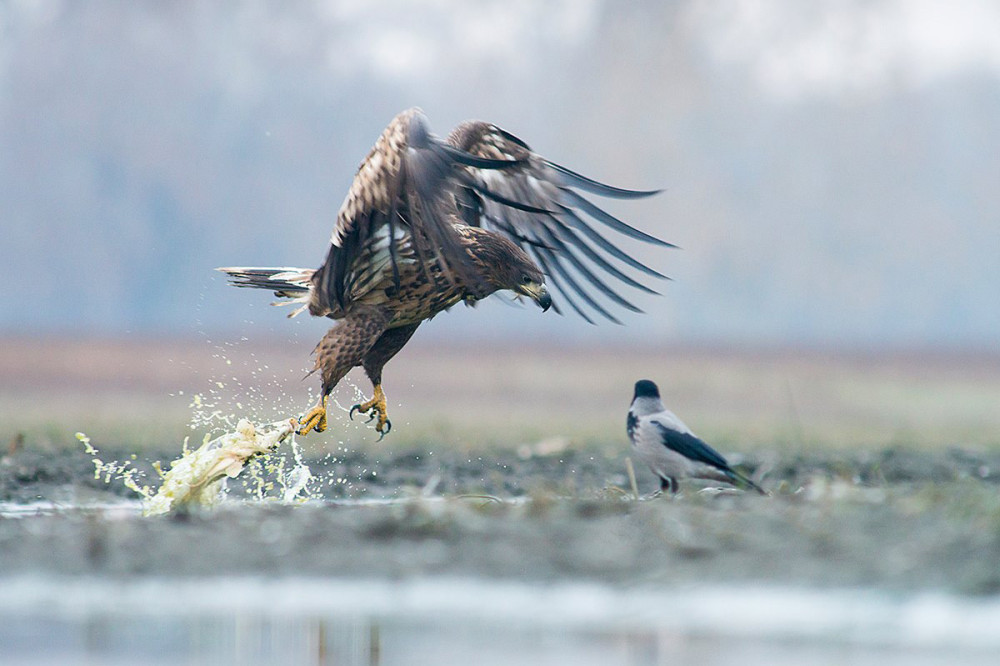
529 281
507 266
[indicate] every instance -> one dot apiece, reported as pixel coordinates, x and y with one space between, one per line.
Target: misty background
831 169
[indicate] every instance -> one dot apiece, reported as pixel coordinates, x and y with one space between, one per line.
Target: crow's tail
742 480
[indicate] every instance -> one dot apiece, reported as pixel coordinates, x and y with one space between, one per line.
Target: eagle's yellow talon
315 419
388 427
376 409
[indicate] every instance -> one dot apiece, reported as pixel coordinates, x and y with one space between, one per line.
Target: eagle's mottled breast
421 296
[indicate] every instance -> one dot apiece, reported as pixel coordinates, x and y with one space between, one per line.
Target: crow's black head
646 389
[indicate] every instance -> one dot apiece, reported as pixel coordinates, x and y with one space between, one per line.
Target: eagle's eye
526 279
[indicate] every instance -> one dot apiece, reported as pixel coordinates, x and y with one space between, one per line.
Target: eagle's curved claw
376 411
372 411
314 419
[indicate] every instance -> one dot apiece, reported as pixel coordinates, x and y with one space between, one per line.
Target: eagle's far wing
403 188
537 204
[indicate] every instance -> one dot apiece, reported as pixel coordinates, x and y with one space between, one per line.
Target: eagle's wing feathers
402 192
412 189
534 202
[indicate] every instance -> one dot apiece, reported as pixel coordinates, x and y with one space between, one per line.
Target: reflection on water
354 623
255 640
244 639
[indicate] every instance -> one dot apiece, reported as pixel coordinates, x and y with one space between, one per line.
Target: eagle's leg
376 409
668 484
342 348
315 418
388 344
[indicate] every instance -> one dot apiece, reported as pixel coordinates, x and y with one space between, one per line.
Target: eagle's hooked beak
541 297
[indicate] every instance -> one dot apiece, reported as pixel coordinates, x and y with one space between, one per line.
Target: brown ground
139 393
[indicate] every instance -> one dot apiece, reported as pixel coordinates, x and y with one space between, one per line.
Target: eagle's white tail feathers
302 300
294 284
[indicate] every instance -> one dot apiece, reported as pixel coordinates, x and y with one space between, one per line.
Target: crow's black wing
691 447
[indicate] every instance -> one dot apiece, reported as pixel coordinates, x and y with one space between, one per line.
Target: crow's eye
526 279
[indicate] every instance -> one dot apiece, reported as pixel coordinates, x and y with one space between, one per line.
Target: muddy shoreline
893 519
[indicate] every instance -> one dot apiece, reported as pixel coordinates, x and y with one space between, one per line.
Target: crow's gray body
670 449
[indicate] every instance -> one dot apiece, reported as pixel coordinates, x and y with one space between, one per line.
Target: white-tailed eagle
428 223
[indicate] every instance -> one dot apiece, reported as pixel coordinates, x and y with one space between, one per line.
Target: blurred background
831 169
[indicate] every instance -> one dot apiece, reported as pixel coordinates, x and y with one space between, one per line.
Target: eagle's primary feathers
428 223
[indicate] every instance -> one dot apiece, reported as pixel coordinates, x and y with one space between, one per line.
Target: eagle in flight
428 223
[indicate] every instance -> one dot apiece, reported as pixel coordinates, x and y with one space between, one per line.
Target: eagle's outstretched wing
549 216
412 189
403 191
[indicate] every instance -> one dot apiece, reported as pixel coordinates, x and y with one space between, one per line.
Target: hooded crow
669 447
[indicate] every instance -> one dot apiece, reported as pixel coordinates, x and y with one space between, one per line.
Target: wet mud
892 519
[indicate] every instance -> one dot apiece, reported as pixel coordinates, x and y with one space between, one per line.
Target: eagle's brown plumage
428 223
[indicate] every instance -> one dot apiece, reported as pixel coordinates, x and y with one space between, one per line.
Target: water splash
121 471
229 411
198 478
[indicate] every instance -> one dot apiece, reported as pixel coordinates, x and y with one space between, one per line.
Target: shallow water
221 620
121 509
842 564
